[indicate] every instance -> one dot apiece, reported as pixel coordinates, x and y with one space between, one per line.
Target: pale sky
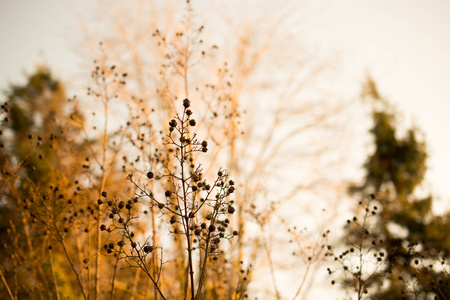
404 44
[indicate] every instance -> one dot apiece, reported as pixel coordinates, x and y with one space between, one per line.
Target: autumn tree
41 149
266 114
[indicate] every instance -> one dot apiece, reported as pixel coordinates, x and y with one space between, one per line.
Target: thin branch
7 286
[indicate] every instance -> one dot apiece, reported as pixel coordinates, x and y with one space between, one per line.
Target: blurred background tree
41 148
404 225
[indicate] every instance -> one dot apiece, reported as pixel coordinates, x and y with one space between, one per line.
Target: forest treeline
185 170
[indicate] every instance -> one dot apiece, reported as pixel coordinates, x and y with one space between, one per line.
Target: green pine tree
411 245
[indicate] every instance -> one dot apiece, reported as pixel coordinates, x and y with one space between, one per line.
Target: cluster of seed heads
184 197
361 244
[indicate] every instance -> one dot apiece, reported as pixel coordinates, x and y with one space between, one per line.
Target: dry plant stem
15 265
31 249
147 289
135 284
302 283
240 203
185 219
361 261
186 222
243 72
200 264
143 266
316 256
59 237
272 271
203 268
101 188
80 282
113 280
360 283
215 287
181 269
50 253
80 259
32 257
7 286
155 242
89 257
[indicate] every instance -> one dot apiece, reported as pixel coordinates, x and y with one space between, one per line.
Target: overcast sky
404 44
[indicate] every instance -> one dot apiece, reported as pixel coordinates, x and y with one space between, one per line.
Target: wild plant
196 208
362 263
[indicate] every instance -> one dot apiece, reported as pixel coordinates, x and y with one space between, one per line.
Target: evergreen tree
409 242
